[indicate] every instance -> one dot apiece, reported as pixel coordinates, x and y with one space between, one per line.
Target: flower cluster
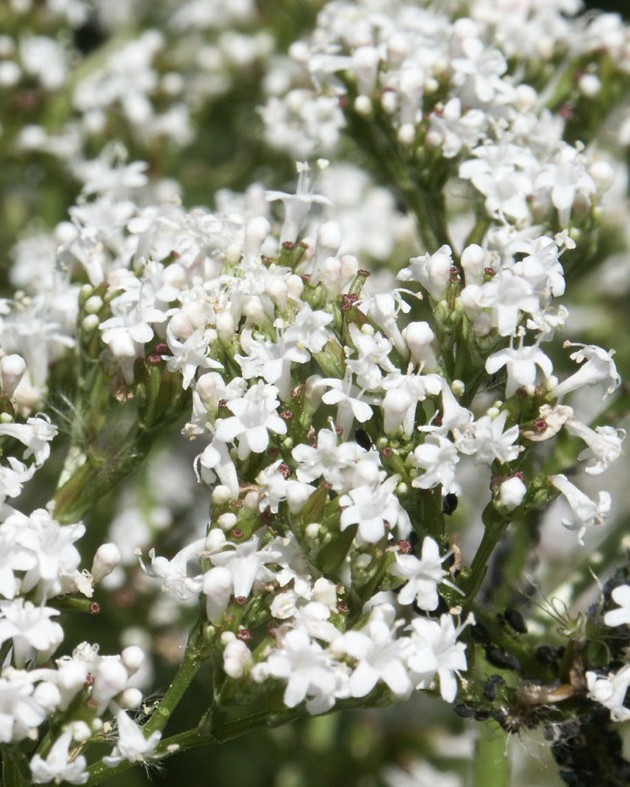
378 378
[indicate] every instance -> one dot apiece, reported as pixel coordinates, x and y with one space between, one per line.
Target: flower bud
133 658
225 327
473 263
221 494
419 336
12 368
130 699
256 232
512 493
110 679
106 559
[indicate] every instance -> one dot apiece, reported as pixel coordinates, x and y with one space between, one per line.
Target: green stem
77 496
492 763
99 772
182 680
193 659
495 527
15 772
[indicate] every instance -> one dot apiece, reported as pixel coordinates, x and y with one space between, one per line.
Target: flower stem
492 764
495 527
193 660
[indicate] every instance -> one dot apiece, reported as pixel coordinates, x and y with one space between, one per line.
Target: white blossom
597 367
132 744
436 651
585 512
423 576
621 615
310 672
380 656
374 510
30 629
60 765
610 691
255 415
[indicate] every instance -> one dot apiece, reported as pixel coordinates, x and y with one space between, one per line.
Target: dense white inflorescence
334 410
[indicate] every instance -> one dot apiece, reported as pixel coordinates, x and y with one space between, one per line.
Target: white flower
237 657
521 366
132 745
599 368
432 271
453 416
437 652
255 415
217 587
566 177
111 678
52 545
310 672
604 445
297 205
504 175
351 400
437 456
308 329
326 459
586 513
246 563
384 308
215 460
190 354
30 628
610 691
128 331
375 510
372 351
486 441
276 487
20 709
174 572
380 656
454 130
13 478
423 576
419 339
270 360
551 419
60 765
106 558
403 392
12 368
36 435
620 616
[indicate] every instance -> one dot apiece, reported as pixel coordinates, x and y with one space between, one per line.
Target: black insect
449 504
363 439
516 620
